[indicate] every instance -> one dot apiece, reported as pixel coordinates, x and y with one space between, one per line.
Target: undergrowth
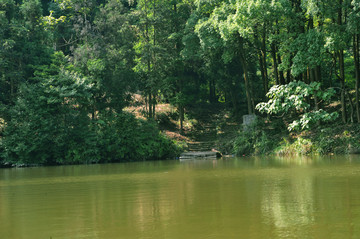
329 139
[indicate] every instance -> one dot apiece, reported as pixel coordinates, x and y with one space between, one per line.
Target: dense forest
68 68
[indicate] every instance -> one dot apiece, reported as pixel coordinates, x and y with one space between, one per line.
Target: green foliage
243 144
311 118
309 51
122 137
50 123
254 140
293 98
300 146
338 139
47 118
58 134
68 69
253 143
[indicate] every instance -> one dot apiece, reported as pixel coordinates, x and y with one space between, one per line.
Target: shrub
254 141
123 137
300 146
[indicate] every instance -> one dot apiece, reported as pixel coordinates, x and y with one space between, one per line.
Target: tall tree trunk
342 68
264 61
154 106
318 74
262 71
351 107
306 78
281 73
313 79
148 61
288 76
246 77
180 105
342 83
275 65
261 53
154 58
182 114
357 73
150 105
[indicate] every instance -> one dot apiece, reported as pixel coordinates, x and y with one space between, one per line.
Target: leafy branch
292 97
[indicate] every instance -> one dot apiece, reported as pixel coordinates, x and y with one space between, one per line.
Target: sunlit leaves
310 118
51 21
353 23
292 98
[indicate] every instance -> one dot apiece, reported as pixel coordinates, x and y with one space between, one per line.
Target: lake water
229 198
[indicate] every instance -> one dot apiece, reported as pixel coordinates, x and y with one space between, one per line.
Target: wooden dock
200 155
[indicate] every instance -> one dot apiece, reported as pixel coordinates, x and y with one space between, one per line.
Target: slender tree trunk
281 73
307 76
288 76
150 105
318 74
342 83
154 13
148 61
351 107
182 114
154 58
313 79
234 101
154 106
262 71
212 95
275 65
261 60
180 105
264 61
357 73
342 68
246 77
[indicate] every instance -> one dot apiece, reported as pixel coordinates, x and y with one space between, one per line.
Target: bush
300 146
123 137
243 144
111 138
338 139
254 141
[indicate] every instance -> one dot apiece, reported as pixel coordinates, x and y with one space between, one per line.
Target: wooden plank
205 154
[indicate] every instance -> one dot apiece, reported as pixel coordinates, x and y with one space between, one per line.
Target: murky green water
231 198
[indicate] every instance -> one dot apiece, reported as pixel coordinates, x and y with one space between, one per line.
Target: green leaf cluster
294 98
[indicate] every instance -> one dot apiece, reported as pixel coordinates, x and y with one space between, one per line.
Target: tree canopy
68 68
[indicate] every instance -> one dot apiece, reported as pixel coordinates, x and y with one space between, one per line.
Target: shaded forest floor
206 126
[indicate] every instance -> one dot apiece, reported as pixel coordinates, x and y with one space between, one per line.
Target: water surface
229 198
